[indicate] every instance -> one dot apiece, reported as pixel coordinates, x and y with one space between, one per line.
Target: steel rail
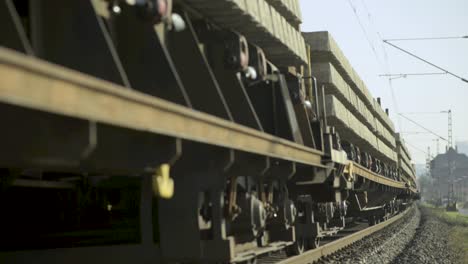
372 176
34 84
332 247
357 169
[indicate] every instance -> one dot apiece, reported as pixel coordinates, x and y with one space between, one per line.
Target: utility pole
450 138
451 202
450 129
429 192
439 191
437 146
463 185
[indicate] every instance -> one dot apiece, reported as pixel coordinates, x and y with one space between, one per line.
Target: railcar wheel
313 243
297 248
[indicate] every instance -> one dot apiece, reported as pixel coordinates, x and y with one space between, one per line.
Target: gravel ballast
430 244
420 237
381 247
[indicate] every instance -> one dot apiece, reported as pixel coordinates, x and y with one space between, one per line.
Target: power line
413 132
417 148
364 30
428 130
428 38
392 91
386 64
426 61
412 74
423 113
394 100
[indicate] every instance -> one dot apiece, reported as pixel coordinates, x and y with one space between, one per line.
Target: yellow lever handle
163 185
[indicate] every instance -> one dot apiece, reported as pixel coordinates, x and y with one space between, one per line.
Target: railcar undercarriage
140 131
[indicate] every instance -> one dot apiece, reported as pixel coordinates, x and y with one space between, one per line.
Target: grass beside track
453 218
458 231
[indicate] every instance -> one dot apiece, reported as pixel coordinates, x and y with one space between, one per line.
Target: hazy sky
421 94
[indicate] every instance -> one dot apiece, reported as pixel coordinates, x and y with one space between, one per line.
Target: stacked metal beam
275 28
367 124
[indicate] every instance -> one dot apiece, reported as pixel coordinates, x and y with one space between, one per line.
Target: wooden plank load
368 126
325 49
262 24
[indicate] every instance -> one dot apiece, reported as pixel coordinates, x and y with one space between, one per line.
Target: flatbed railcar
207 131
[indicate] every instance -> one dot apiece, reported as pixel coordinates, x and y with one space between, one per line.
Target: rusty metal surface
372 176
34 84
262 23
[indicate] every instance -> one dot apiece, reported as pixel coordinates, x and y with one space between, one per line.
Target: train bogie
186 131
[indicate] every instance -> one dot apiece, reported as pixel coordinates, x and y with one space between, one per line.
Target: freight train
200 131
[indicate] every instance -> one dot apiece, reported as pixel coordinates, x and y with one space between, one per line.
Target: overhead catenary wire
404 75
427 38
426 61
412 74
413 132
386 64
361 25
392 91
379 36
421 126
423 113
416 148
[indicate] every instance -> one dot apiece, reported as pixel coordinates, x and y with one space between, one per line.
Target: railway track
342 240
183 131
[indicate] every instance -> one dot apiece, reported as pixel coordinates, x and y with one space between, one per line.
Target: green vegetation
458 230
452 218
459 241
